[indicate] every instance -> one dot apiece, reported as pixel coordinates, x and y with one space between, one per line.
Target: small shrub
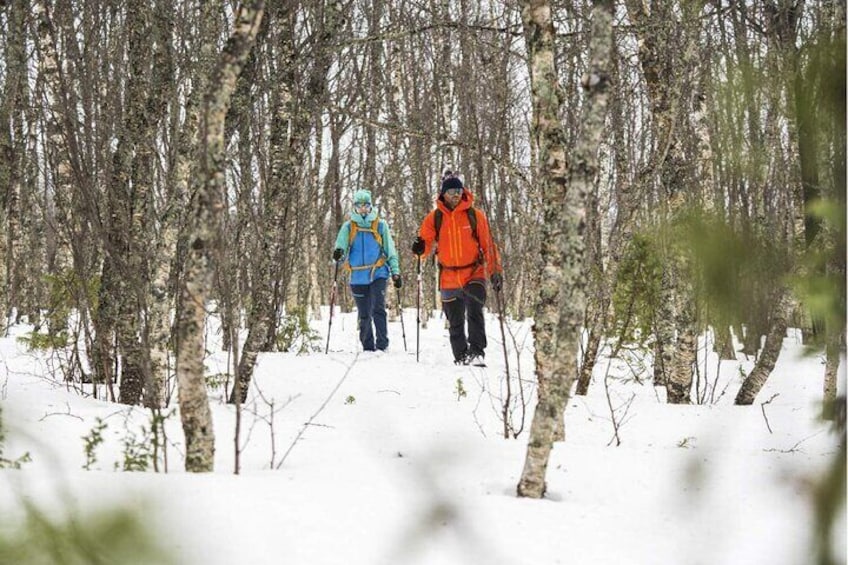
350 399
217 381
109 535
10 463
36 341
295 334
460 389
138 452
637 291
92 440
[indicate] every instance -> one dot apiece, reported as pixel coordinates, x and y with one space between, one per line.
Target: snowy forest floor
364 458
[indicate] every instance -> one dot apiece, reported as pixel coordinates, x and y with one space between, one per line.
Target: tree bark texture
159 91
556 326
205 218
723 343
664 333
126 204
162 276
552 174
12 151
679 385
833 352
58 156
754 382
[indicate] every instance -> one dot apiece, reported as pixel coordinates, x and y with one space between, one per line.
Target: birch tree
202 232
13 151
564 188
164 269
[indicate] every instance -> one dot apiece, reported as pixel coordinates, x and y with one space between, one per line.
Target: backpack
472 220
373 230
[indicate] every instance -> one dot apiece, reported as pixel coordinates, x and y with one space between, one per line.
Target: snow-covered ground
379 459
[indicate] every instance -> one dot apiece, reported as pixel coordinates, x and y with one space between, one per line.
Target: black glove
337 254
418 246
497 281
397 280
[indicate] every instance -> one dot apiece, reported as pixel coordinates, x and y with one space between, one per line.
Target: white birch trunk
205 210
559 303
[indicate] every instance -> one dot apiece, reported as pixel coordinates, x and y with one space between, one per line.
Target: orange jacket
458 252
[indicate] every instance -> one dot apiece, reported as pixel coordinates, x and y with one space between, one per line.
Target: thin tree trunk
168 246
723 344
281 192
12 152
659 53
679 383
129 189
204 221
833 352
627 202
596 303
287 153
159 259
552 177
590 355
559 307
754 382
63 157
664 346
57 154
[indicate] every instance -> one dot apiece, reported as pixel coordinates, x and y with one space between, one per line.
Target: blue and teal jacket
368 260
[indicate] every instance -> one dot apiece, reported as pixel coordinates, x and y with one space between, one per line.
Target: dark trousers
371 305
457 305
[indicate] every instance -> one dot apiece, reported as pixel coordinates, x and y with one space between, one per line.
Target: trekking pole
332 304
418 312
505 413
402 328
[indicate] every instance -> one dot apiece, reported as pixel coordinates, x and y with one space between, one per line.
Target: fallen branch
317 412
763 408
67 413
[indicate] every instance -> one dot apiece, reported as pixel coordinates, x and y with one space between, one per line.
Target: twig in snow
66 413
317 412
269 419
616 424
763 408
794 448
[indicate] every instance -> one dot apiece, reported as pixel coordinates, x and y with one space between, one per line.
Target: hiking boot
462 359
477 359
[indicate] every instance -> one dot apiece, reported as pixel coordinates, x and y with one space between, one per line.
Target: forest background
651 170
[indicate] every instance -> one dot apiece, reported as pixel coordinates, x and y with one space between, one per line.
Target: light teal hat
361 196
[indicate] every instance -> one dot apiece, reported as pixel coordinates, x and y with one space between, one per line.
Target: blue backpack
374 230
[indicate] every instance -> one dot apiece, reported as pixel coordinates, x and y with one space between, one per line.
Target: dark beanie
450 182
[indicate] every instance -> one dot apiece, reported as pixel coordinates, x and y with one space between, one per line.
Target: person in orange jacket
467 257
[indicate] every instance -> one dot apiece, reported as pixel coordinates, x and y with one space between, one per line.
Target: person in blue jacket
366 243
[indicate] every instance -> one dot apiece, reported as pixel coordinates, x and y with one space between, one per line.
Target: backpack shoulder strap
472 220
375 227
354 228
